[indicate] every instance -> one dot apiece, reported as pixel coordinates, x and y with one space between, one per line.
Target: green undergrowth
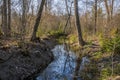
110 44
105 73
59 35
56 33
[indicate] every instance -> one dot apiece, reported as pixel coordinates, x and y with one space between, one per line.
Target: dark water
62 68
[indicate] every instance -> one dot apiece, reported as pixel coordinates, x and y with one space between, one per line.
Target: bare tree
24 2
78 25
81 42
9 17
48 5
95 16
112 5
107 10
37 21
4 23
6 17
66 3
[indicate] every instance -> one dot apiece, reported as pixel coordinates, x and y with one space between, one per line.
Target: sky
59 6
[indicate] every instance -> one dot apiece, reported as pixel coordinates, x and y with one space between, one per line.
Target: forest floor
24 60
21 61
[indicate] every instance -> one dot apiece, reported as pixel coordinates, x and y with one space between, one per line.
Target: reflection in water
62 68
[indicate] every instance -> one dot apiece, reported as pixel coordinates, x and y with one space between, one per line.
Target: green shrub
110 44
56 33
97 55
73 38
59 35
105 73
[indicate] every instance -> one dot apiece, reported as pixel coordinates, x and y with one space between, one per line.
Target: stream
62 68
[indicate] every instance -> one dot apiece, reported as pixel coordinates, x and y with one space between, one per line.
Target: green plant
73 38
97 55
105 73
110 44
56 33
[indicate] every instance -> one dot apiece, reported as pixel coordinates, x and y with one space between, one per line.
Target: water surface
62 68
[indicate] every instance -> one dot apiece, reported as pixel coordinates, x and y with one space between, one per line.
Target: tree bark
66 3
95 16
37 22
23 19
107 9
9 17
4 24
112 5
81 42
78 25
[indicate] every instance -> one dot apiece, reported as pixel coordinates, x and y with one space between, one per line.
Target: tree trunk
46 6
112 5
4 24
81 42
2 13
37 21
9 17
107 9
66 3
23 19
78 25
95 16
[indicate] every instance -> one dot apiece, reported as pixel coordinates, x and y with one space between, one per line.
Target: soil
24 62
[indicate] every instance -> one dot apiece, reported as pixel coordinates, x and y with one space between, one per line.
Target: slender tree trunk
9 17
46 6
2 18
78 25
23 19
37 21
107 9
95 16
4 25
68 15
112 5
32 8
81 42
66 3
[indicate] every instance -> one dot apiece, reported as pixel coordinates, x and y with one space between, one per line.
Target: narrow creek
62 68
